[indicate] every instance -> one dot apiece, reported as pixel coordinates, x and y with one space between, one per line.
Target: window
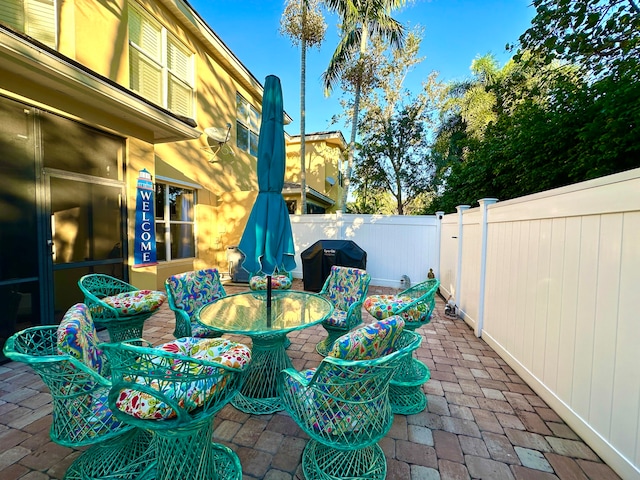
175 237
36 18
160 67
247 126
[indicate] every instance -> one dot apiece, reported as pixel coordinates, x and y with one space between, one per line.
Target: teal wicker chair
343 405
174 391
71 365
189 291
346 288
415 305
118 305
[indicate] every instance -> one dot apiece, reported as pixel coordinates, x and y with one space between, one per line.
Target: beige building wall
324 153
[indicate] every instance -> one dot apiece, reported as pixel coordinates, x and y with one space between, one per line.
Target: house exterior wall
93 35
324 153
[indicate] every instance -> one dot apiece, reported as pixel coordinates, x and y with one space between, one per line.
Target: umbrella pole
268 300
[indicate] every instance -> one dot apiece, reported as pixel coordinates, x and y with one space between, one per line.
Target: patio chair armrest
183 323
294 374
355 309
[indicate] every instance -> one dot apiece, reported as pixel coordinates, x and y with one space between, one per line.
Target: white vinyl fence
396 245
551 282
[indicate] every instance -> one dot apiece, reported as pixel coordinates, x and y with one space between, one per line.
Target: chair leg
320 462
130 456
325 346
190 453
405 389
125 328
259 393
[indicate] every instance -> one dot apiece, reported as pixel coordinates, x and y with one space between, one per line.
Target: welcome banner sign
145 241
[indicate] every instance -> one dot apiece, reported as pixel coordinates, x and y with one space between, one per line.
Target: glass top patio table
246 313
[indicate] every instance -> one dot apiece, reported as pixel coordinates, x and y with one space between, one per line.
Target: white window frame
248 119
181 76
35 18
163 220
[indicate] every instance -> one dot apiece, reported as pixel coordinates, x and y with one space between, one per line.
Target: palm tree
361 20
303 23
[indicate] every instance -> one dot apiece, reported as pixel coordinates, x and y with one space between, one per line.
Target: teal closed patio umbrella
267 240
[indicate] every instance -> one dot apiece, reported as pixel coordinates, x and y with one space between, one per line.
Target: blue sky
455 32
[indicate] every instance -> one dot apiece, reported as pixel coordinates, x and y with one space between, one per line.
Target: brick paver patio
482 421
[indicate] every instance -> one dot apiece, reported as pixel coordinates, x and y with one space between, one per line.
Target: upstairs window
35 18
247 126
160 66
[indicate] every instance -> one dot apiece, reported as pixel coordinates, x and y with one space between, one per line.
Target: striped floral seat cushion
337 319
383 306
136 302
278 282
189 395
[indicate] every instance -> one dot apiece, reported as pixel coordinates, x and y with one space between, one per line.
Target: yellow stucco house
93 93
325 152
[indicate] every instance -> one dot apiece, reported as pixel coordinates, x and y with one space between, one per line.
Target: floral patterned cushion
337 319
369 341
136 302
189 394
382 306
345 286
193 289
278 282
77 337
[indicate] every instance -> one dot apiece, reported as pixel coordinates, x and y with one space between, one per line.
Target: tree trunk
303 73
354 119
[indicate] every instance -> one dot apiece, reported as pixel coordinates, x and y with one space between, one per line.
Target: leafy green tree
601 35
395 127
360 22
302 21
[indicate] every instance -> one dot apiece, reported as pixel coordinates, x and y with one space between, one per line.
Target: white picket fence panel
396 245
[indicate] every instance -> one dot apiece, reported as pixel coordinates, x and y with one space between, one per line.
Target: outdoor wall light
217 137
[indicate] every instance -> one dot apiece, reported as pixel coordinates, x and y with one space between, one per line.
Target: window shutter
145 76
41 21
145 35
12 14
180 93
36 18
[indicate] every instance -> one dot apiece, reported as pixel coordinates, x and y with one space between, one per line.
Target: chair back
68 361
178 383
345 286
424 301
421 289
345 401
77 337
189 291
97 286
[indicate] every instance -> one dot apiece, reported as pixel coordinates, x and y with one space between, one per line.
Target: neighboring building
323 172
91 93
